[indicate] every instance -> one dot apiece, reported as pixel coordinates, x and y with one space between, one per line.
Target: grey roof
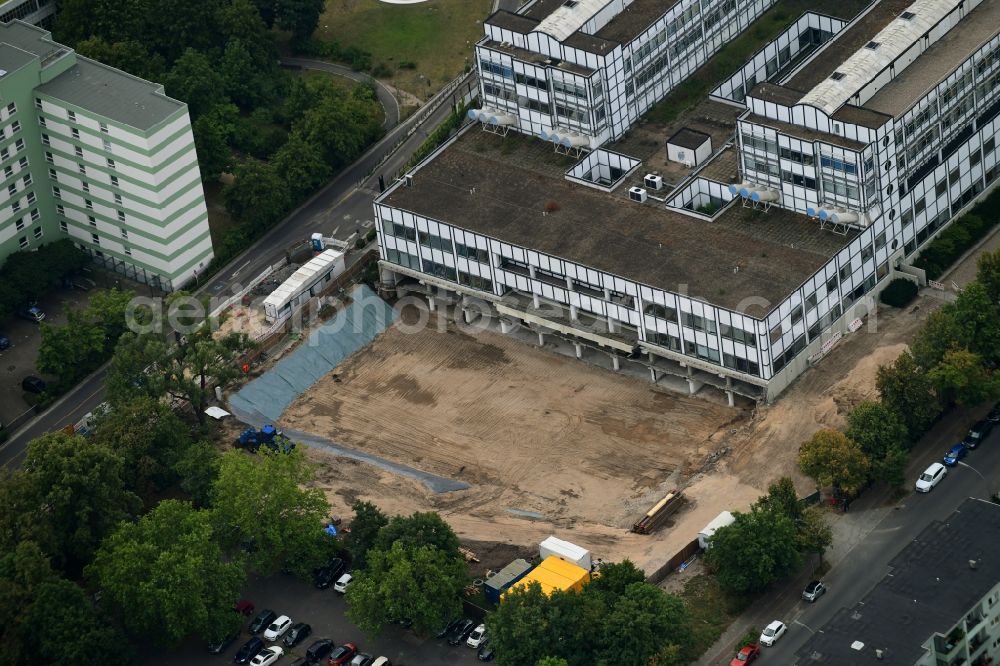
113 94
13 58
929 590
686 137
88 84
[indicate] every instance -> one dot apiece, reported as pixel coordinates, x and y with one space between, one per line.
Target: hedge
960 235
899 293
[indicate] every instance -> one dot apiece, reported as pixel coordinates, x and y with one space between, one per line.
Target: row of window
837 164
497 69
568 88
704 324
673 343
70 116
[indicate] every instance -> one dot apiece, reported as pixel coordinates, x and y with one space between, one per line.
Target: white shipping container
565 550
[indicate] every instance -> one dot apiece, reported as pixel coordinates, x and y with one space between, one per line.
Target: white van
342 583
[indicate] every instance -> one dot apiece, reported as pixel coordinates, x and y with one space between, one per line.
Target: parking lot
324 610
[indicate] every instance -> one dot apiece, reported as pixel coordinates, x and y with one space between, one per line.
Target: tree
24 568
188 370
302 165
368 520
961 377
988 274
258 196
80 495
193 79
782 499
519 628
61 626
214 157
300 17
757 549
882 437
407 580
814 535
551 661
906 390
167 577
129 55
107 309
148 436
263 503
71 350
615 578
198 468
420 529
830 458
641 622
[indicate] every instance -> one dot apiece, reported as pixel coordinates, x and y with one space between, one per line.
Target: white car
773 632
475 639
342 583
277 629
931 477
268 656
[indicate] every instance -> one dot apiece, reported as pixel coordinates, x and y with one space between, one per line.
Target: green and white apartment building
102 157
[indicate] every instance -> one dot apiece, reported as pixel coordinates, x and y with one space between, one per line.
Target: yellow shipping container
554 574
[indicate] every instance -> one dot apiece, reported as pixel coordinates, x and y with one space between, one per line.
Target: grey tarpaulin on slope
264 399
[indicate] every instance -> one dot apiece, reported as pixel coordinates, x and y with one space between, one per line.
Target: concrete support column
615 362
387 277
569 283
693 386
651 358
468 315
541 339
531 272
732 398
611 325
652 375
431 304
573 313
579 349
505 326
534 301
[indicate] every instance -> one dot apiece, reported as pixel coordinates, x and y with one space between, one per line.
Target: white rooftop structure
301 280
890 43
565 550
570 17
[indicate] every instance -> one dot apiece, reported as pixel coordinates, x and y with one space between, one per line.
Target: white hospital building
850 142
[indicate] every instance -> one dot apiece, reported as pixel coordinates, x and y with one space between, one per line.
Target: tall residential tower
97 155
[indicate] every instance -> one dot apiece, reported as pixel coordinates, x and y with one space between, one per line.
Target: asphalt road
868 562
341 208
324 611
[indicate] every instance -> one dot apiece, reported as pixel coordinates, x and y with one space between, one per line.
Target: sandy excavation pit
569 448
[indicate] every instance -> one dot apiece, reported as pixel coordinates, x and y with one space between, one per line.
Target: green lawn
437 37
736 53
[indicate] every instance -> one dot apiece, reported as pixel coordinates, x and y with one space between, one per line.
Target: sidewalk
849 529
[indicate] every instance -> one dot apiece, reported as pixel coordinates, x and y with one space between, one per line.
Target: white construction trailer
311 279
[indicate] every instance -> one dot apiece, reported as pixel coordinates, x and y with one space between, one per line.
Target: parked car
319 649
994 415
262 621
446 630
955 454
277 628
773 632
33 384
249 650
461 632
977 433
342 583
297 633
324 578
382 661
342 655
4 342
747 655
931 477
486 652
31 313
477 636
267 656
813 591
219 646
362 659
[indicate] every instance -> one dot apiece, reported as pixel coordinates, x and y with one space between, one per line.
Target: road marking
803 625
240 268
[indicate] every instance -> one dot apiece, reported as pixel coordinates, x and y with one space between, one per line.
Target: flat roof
113 94
930 589
848 113
634 20
688 138
515 22
29 38
538 58
500 186
13 58
845 43
944 55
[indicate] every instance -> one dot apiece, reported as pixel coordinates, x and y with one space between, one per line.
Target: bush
381 71
407 64
899 293
370 236
962 234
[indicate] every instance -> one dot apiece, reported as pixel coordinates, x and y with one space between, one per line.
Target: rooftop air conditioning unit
653 182
637 194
